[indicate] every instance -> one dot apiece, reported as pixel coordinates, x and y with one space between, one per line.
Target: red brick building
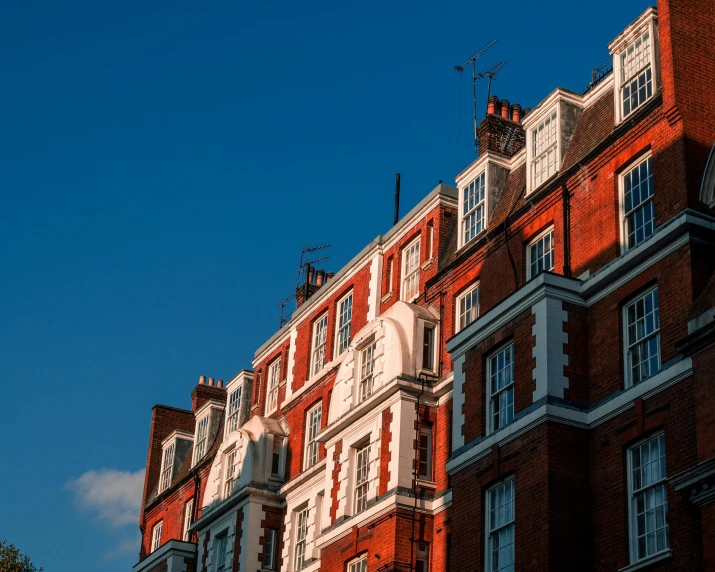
516 376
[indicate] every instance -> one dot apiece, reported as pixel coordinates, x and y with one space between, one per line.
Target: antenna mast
471 61
491 73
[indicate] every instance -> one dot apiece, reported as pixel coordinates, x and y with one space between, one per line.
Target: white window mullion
540 254
474 208
642 318
362 482
274 377
345 315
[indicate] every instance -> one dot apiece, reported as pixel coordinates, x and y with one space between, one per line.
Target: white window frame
220 550
319 346
188 520
624 214
410 278
473 309
552 116
362 478
231 470
549 232
156 536
274 380
489 531
269 554
301 538
478 208
345 311
359 564
509 387
278 444
629 345
433 354
234 408
366 370
313 417
427 432
634 494
202 437
167 466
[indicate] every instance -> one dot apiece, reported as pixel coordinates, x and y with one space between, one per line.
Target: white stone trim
375 293
548 350
562 414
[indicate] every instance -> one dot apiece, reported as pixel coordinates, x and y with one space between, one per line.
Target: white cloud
114 497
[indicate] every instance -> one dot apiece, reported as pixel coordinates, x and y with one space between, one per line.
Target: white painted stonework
548 351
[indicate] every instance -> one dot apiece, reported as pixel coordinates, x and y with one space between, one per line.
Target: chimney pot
311 274
211 381
516 112
319 277
505 108
202 379
492 105
219 384
329 276
526 112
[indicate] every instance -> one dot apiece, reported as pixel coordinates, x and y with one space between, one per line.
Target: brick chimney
501 131
206 390
315 279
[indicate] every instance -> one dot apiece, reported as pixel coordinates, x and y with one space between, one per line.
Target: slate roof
594 125
513 193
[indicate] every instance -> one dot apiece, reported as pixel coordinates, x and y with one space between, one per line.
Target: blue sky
161 166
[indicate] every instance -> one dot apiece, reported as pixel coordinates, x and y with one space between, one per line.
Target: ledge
647 561
171 548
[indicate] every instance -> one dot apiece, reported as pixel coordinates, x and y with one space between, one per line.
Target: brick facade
575 409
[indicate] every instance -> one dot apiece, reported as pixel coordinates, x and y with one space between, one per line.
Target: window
202 435
430 240
544 150
642 338
345 315
168 468
269 549
428 348
188 520
312 447
389 274
411 271
301 538
359 565
422 561
501 388
219 555
274 378
232 460
636 76
320 336
367 367
362 484
638 208
500 527
467 307
648 510
540 254
473 208
156 536
234 408
424 468
276 458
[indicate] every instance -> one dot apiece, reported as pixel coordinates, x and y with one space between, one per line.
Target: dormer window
411 271
367 367
232 460
474 208
202 436
320 338
234 408
544 149
274 376
167 467
635 65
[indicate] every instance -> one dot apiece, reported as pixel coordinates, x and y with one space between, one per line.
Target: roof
511 197
593 126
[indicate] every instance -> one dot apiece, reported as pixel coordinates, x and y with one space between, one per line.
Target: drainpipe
567 229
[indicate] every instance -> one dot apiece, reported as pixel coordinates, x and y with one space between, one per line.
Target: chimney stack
205 391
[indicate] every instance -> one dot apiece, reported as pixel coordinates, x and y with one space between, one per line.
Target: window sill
425 484
648 561
427 264
386 297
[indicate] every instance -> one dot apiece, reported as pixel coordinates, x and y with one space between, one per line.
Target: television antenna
304 262
472 62
282 304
